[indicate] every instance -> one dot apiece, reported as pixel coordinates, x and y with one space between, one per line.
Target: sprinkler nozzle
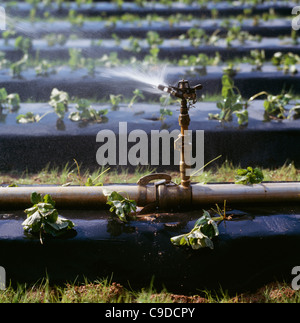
169 89
182 91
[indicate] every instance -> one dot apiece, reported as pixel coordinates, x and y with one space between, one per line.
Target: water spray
188 96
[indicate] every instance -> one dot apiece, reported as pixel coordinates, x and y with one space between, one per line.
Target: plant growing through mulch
121 206
42 218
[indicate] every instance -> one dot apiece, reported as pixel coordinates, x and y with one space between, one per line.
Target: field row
143 8
105 29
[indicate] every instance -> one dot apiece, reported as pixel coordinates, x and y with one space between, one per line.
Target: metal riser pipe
166 196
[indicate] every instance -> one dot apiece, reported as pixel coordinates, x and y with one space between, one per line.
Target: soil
273 292
270 292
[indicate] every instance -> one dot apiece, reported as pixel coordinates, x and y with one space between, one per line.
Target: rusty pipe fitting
168 194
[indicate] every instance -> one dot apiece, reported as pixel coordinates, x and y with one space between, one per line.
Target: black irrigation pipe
100 30
35 145
79 84
170 49
110 9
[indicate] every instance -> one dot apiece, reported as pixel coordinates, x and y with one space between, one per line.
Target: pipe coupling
170 196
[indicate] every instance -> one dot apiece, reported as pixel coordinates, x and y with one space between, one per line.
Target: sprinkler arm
183 91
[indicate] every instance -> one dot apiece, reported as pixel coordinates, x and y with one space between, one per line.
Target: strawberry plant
230 70
134 45
9 101
204 230
110 60
76 59
236 33
59 101
30 117
44 69
197 64
4 63
153 39
86 113
3 97
13 101
294 111
249 176
24 44
91 66
8 34
53 39
231 104
18 66
197 36
42 218
136 94
115 100
242 117
152 58
258 58
75 18
121 206
164 113
287 62
274 104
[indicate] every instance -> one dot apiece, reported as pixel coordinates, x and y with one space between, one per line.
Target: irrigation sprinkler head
182 91
187 94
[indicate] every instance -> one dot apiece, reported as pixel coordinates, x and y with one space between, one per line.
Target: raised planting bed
115 81
171 49
33 146
259 244
108 8
102 29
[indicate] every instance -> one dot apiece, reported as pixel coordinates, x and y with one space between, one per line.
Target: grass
106 292
72 174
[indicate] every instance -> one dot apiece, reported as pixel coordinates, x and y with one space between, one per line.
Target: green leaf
241 172
13 101
51 216
58 227
121 206
249 176
242 117
29 117
89 182
36 198
43 217
3 95
59 101
220 105
48 199
33 222
205 229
